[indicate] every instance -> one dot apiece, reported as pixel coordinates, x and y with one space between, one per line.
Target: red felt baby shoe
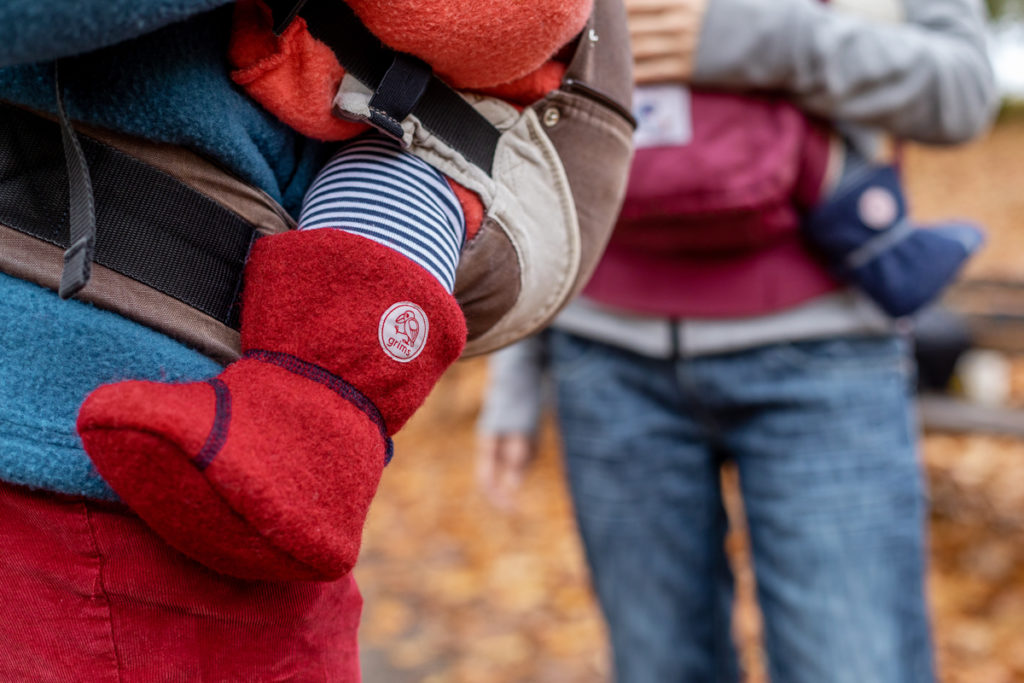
267 470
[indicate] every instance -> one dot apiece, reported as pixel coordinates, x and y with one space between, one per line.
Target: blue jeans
823 436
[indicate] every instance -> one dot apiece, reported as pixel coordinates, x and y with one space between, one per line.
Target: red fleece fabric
476 43
524 91
370 278
286 494
472 207
92 594
294 76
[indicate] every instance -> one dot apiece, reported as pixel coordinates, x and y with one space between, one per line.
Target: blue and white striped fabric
374 189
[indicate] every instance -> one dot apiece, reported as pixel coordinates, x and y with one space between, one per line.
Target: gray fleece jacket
924 77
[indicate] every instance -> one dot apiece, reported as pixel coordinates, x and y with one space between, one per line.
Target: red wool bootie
267 470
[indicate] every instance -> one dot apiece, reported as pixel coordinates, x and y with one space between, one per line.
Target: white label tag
663 114
402 331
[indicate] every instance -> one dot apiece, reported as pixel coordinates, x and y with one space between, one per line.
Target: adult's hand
664 35
501 462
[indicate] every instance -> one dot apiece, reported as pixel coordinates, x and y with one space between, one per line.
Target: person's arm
507 428
927 79
37 30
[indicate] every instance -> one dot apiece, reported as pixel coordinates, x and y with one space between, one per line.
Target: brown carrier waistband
168 254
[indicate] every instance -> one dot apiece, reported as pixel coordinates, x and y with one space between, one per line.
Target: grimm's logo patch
403 331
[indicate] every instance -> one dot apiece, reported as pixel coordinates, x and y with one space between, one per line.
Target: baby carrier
160 235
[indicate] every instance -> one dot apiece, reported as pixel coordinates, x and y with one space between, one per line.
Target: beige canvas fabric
554 192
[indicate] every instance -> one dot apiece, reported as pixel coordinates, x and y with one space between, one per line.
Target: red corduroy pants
89 593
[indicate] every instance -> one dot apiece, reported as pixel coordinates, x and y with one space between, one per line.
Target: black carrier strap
402 84
82 210
149 226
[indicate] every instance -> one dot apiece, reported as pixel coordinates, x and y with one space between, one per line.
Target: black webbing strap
399 91
81 210
402 84
150 227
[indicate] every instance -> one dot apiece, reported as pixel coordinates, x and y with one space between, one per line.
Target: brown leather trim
604 59
488 279
596 148
28 258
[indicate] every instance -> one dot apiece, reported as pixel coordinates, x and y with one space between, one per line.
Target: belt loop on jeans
675 344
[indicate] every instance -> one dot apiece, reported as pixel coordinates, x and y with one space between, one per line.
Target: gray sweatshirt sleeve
926 79
514 396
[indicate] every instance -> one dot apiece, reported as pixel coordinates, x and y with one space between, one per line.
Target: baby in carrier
720 172
719 176
268 469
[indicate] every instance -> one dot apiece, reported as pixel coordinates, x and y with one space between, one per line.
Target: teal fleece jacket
152 68
156 69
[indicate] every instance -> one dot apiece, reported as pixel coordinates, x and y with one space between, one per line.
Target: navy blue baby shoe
864 234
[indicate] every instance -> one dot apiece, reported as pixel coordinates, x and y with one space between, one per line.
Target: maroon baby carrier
713 223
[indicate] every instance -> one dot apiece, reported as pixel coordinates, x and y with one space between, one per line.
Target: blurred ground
457 592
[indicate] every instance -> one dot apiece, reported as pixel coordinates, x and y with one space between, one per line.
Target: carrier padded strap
398 92
81 209
150 226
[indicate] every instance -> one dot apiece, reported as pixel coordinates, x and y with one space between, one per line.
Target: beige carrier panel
553 196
